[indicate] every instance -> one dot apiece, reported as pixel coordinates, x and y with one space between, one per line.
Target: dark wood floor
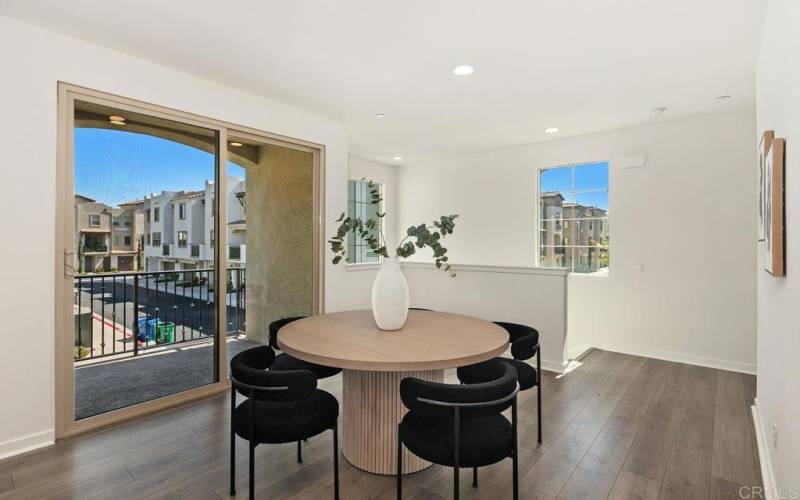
617 427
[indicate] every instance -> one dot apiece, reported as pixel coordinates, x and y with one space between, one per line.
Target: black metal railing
130 312
95 247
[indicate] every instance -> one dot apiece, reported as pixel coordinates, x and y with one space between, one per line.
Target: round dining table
374 361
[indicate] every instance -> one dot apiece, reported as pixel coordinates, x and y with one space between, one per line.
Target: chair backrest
249 371
436 402
277 325
524 339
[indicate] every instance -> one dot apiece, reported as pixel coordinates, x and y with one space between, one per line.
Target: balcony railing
129 313
95 247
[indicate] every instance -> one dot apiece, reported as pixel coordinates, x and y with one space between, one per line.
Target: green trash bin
165 333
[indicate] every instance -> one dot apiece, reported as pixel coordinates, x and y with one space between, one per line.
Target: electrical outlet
775 435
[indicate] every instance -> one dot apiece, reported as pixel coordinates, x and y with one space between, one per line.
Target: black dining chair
460 425
524 345
281 407
285 361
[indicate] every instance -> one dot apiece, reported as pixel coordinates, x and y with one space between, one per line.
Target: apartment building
168 231
108 239
179 228
572 235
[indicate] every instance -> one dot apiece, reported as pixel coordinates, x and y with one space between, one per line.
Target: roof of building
129 203
579 206
549 194
184 195
91 200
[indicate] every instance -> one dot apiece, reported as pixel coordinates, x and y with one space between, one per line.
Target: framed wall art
763 149
774 227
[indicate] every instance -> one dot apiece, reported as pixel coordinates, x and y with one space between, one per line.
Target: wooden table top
428 341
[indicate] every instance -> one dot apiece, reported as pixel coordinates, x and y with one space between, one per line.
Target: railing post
136 314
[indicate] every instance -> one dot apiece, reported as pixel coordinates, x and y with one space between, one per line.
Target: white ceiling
580 65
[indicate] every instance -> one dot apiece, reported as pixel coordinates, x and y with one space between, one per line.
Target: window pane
558 257
590 233
590 259
591 176
555 179
592 204
359 205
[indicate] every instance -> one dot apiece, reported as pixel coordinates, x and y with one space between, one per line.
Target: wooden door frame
65 424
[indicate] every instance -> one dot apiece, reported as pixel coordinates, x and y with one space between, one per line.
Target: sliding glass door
138 216
162 269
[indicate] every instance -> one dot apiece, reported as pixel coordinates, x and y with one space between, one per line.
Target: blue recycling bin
147 329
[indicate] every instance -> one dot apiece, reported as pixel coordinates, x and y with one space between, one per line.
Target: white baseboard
27 443
689 359
577 350
551 366
767 472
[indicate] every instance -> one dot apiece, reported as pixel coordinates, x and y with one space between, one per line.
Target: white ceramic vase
390 296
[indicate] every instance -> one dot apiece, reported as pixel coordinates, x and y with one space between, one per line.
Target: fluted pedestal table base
372 410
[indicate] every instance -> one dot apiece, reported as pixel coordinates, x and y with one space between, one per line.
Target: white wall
515 294
688 216
778 104
518 294
34 60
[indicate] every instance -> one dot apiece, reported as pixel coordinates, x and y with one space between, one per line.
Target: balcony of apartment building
152 333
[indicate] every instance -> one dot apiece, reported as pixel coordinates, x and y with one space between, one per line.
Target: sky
587 176
113 167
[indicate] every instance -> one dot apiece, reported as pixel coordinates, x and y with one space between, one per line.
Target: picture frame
774 222
763 149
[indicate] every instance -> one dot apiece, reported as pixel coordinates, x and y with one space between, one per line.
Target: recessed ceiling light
397 158
236 144
115 118
723 97
380 115
463 70
116 122
551 130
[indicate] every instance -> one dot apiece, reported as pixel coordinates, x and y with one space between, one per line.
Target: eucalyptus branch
424 235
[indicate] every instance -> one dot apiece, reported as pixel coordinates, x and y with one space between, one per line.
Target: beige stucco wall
279 238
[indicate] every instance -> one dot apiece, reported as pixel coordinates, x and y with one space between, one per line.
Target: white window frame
564 221
183 242
92 218
182 211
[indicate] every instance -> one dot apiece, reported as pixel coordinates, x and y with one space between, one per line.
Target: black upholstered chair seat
281 406
285 362
483 441
286 422
481 372
524 342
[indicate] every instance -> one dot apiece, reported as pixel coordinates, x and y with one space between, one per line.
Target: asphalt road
190 308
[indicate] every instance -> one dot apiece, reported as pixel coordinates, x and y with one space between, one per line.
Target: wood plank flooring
618 426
